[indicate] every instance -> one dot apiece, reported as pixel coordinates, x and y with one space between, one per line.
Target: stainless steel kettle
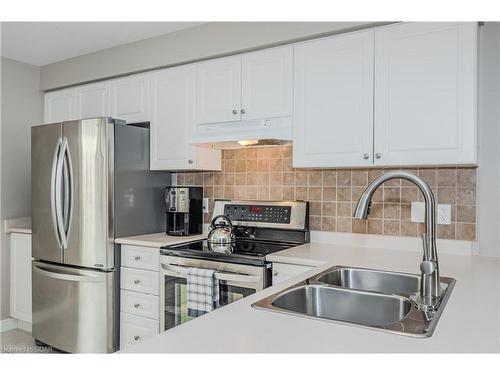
221 233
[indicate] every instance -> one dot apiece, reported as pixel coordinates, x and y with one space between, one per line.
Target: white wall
488 184
22 107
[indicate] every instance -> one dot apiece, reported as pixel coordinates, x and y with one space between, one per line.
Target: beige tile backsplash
267 173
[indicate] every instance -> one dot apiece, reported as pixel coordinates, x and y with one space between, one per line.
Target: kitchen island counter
469 322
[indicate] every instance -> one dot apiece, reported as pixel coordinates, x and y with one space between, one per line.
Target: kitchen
265 192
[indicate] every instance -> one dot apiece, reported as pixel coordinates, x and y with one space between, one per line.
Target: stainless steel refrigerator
90 183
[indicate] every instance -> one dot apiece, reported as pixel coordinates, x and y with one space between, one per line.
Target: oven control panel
258 213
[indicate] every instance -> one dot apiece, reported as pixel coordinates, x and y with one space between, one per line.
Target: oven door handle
221 276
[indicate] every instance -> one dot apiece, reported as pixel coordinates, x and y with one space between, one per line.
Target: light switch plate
205 205
417 212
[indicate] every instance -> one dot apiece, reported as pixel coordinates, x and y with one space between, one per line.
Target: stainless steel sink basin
350 306
362 297
374 280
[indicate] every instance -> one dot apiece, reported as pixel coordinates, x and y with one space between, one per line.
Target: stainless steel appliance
259 228
184 210
90 183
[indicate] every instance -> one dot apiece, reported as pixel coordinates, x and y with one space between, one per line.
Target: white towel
202 291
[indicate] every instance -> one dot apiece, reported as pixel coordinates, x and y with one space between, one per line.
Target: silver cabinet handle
137 305
378 155
137 282
275 273
243 111
137 338
366 156
190 161
137 257
235 112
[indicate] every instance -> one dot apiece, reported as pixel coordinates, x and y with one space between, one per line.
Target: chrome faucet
430 290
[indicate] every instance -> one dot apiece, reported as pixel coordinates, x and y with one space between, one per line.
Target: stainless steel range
242 234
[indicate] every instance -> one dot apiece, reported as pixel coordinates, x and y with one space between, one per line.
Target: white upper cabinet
93 100
60 106
173 109
266 89
333 101
219 90
425 93
130 98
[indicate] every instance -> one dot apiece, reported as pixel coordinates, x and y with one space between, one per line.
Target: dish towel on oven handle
202 291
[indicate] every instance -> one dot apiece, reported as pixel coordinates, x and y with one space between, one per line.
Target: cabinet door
267 83
333 101
134 329
20 276
425 93
219 90
172 118
93 100
59 106
130 98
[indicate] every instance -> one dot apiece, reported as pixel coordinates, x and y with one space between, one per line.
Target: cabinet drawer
140 280
145 258
284 271
141 304
134 329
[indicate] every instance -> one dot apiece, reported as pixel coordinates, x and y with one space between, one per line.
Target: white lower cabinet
140 304
285 271
134 329
20 276
139 294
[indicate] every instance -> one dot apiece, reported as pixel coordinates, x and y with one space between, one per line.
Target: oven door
235 282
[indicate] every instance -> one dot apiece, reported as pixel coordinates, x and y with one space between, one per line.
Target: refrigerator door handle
66 276
58 194
68 191
53 190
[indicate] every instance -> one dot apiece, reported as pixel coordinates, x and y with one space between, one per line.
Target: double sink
363 297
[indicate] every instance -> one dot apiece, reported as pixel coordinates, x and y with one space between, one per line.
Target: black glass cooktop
242 251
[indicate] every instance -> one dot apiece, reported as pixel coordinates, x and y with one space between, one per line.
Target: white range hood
249 133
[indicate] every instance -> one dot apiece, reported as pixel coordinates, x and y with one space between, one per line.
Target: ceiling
42 43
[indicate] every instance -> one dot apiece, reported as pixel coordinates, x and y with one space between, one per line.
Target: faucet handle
428 267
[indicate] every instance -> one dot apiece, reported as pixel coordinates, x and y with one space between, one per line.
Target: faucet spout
430 290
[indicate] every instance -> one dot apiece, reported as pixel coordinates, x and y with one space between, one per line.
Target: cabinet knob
378 155
137 338
136 305
137 257
242 111
366 156
235 112
137 282
190 161
275 273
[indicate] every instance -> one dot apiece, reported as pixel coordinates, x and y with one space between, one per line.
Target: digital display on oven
261 213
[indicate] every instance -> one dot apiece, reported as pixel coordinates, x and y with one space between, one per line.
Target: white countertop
18 225
157 240
469 323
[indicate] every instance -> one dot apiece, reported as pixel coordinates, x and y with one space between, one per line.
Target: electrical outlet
417 212
444 214
205 205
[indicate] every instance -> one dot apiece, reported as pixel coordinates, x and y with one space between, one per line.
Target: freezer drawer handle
68 277
222 276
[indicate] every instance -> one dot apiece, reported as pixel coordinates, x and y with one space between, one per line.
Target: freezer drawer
74 309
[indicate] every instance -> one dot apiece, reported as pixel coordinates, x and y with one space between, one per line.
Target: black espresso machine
184 210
